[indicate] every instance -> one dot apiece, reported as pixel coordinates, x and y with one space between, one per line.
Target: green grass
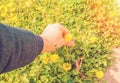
94 25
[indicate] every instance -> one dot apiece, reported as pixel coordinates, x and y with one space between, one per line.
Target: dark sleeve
17 47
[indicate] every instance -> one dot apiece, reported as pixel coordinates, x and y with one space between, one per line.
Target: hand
53 37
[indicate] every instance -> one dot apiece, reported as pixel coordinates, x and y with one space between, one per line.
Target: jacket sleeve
17 47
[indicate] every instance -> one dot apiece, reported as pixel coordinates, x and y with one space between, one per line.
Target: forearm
17 48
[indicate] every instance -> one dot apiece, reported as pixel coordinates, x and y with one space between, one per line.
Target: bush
95 28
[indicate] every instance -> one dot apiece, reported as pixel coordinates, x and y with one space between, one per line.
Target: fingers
62 42
58 28
65 31
71 43
62 29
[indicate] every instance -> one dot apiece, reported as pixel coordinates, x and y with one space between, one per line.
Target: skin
53 37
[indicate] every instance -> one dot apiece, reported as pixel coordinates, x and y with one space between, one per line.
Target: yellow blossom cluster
45 60
93 39
52 58
99 74
67 66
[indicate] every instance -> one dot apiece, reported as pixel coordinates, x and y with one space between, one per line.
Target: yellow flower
67 66
99 74
93 39
45 60
68 37
112 14
54 58
99 2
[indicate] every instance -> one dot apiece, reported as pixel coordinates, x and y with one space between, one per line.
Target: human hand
53 37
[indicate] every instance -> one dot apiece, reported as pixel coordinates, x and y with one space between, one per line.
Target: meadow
94 25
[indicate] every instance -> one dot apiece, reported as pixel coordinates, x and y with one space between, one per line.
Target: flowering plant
94 25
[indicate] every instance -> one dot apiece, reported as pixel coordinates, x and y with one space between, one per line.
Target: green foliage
94 25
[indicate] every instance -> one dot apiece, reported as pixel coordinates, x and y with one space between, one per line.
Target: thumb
71 43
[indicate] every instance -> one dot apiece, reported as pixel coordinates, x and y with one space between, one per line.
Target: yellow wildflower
99 2
54 58
10 4
68 37
99 74
67 66
112 14
93 39
45 60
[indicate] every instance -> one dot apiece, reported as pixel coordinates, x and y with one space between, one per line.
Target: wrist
48 46
40 44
